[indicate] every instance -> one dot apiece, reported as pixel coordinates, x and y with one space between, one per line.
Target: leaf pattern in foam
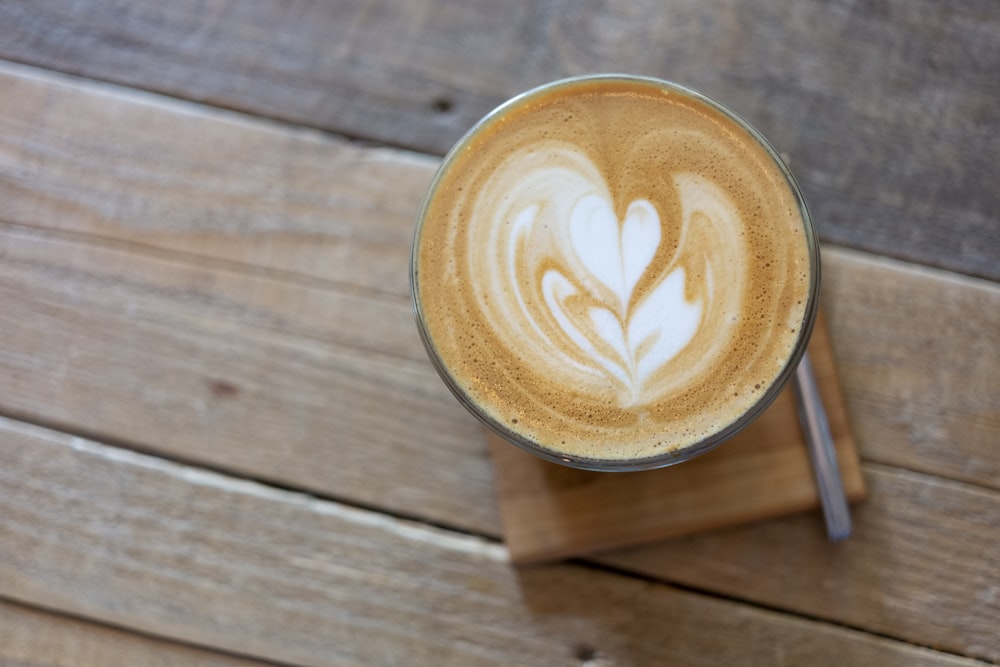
563 291
662 325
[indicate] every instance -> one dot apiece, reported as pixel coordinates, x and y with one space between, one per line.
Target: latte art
577 287
615 271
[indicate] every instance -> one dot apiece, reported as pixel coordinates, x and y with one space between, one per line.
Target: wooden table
221 442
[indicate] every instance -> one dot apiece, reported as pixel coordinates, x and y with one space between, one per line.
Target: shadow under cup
486 395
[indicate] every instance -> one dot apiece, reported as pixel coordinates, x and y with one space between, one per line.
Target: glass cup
703 445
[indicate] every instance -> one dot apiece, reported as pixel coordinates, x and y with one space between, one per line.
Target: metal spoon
822 452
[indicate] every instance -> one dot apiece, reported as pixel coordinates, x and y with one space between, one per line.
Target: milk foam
567 290
613 275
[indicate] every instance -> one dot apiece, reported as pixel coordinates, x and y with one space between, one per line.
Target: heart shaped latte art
587 296
617 255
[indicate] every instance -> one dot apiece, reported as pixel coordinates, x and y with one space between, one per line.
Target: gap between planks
403 527
102 242
187 107
37 637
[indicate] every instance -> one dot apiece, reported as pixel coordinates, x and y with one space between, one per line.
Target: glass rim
667 458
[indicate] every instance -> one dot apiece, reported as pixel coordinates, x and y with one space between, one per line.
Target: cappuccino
614 272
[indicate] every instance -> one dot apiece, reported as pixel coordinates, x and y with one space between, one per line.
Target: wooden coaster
551 511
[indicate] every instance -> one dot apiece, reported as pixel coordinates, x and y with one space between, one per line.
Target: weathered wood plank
374 428
919 356
144 169
137 280
168 549
887 110
33 638
924 556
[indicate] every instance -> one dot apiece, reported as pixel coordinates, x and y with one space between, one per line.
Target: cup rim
667 458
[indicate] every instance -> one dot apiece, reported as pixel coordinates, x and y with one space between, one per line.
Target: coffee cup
614 272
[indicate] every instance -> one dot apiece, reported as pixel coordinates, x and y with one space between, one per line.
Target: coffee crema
613 269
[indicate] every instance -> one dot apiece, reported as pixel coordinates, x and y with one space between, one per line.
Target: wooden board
887 110
34 638
926 558
551 512
919 356
166 174
168 549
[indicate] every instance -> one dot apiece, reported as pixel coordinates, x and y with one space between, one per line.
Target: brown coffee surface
612 269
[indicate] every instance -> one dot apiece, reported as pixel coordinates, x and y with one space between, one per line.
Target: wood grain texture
925 555
205 385
551 511
887 110
127 317
141 168
919 355
33 638
306 413
164 548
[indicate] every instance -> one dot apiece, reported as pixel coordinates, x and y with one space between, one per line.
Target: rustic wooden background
220 439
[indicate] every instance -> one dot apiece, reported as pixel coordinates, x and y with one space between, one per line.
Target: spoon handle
822 452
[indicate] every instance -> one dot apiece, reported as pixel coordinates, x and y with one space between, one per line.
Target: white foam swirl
556 271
